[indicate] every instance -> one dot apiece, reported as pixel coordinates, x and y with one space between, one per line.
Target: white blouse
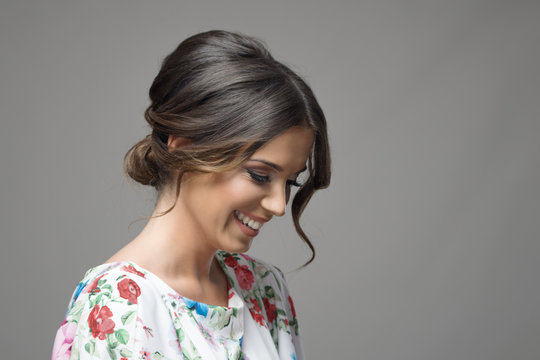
122 311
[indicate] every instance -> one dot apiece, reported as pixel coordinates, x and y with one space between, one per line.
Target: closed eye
263 179
258 178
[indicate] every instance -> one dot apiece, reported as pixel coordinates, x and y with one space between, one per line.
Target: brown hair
228 96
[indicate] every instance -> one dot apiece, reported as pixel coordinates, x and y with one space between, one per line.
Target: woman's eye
261 179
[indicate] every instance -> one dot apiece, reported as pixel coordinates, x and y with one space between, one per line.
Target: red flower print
270 310
100 322
256 306
230 261
256 312
259 319
247 257
292 307
131 269
93 285
244 276
129 290
145 355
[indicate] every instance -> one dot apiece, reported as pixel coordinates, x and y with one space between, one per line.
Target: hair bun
140 163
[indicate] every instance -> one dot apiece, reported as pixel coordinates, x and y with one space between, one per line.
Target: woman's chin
238 248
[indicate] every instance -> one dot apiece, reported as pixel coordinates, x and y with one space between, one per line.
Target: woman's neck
170 247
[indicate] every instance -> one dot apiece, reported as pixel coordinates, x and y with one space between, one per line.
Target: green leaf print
128 317
283 326
112 353
111 342
180 334
98 299
269 291
194 353
90 347
122 335
222 318
278 282
234 353
107 287
125 352
294 325
157 356
77 310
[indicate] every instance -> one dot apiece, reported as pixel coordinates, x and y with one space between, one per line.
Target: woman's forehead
288 151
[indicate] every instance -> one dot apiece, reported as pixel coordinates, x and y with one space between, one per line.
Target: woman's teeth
246 220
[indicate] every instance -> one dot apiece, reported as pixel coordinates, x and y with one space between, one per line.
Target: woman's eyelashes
263 179
258 178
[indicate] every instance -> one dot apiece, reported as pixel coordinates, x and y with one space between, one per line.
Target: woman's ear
176 142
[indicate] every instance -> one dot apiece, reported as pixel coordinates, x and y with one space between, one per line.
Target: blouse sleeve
290 313
112 316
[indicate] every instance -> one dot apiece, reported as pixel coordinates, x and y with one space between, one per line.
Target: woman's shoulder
119 283
100 277
249 269
264 290
107 311
109 269
255 279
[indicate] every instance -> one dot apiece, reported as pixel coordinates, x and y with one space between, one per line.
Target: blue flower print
78 290
200 308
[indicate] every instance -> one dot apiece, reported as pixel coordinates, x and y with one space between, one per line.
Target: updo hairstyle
227 95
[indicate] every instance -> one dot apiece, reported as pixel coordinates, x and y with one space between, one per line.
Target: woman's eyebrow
276 166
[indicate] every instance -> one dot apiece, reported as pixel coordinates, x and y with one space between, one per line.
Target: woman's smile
227 210
247 225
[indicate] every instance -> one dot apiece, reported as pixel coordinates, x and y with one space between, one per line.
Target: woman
232 130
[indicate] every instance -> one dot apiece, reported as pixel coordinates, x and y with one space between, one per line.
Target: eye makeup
263 179
258 178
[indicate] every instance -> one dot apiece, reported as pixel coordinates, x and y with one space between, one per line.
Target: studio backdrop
428 239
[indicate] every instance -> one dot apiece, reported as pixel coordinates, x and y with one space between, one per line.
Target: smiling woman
232 130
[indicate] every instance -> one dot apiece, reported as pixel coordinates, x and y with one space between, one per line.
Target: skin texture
179 247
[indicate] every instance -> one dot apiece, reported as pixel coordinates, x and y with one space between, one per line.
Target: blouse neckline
165 288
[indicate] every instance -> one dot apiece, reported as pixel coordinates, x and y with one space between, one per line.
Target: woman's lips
253 217
245 228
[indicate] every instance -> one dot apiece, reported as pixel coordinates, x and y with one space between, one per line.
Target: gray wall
428 240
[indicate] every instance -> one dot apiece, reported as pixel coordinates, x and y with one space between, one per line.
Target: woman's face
228 209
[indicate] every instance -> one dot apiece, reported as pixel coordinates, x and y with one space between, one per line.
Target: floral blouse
121 311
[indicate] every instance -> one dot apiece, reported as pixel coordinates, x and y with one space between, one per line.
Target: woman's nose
275 201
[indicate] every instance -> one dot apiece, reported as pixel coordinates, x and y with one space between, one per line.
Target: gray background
428 239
